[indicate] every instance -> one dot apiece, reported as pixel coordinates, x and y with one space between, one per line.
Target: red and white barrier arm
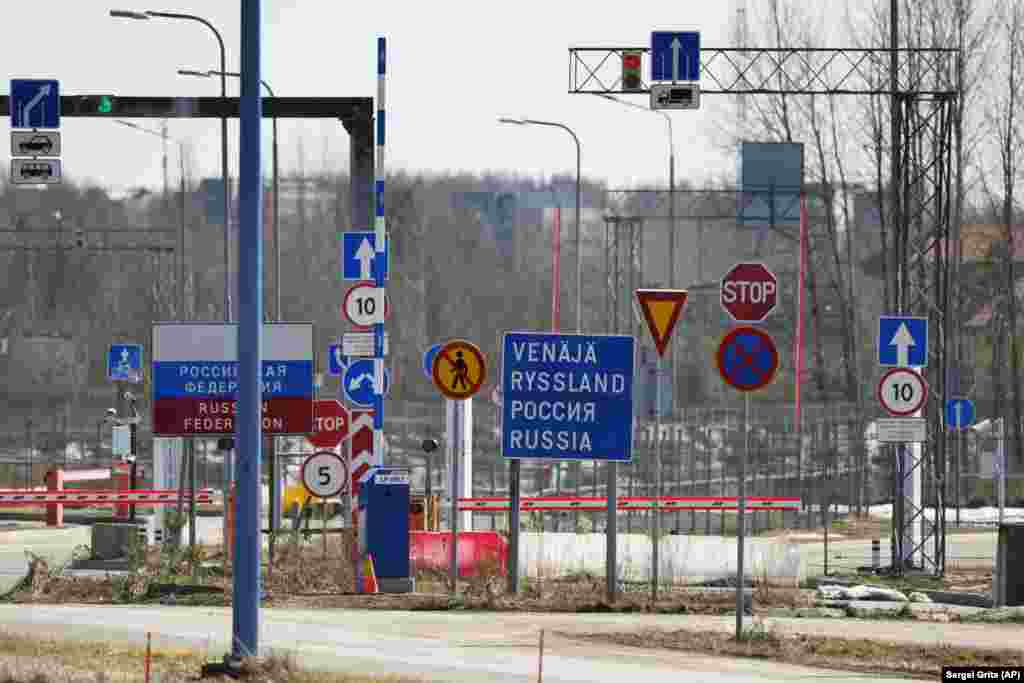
631 503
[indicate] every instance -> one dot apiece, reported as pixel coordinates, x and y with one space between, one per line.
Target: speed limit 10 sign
366 305
324 474
902 392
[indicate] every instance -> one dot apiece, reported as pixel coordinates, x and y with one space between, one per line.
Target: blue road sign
124 363
336 361
959 413
357 382
747 358
902 341
567 396
357 254
428 361
675 56
35 103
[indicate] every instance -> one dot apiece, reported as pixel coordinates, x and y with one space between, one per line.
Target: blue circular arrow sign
357 383
959 413
747 358
428 361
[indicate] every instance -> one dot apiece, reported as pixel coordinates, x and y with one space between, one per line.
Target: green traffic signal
105 105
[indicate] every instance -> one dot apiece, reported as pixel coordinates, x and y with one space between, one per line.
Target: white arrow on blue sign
358 251
902 341
959 413
336 361
124 363
358 383
35 103
675 56
428 361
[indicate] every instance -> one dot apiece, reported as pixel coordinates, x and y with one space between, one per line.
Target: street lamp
277 222
579 269
129 14
181 226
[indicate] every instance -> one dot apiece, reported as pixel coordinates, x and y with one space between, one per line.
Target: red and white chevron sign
361 431
140 497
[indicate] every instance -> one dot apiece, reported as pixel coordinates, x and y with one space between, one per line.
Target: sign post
747 361
662 309
569 397
459 370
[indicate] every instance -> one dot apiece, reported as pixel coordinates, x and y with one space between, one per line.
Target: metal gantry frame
921 84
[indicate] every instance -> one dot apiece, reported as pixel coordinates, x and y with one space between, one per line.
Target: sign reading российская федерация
567 396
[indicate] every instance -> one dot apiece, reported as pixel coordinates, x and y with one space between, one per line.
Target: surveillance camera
429 445
111 412
129 396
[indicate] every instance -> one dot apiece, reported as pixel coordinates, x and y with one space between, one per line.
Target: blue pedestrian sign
336 361
567 396
675 56
428 360
357 254
959 413
124 363
358 385
902 341
35 103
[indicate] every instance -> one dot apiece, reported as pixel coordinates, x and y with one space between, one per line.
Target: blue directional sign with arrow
336 361
902 341
428 360
357 383
675 56
959 413
35 103
357 254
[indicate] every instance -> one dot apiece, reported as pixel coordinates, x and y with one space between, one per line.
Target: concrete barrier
112 541
683 559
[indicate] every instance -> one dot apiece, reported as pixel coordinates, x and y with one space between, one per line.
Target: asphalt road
462 647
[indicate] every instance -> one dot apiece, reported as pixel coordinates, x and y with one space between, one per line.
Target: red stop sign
749 292
330 423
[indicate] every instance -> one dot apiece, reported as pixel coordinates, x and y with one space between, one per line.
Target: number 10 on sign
365 305
902 392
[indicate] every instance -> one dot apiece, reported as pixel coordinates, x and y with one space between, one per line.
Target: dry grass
814 651
48 660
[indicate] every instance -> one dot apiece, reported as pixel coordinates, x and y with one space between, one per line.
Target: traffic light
79 238
97 104
631 71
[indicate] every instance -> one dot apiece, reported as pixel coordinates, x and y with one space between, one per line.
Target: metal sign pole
453 491
655 513
740 524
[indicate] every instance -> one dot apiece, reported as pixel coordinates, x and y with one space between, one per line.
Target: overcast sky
454 67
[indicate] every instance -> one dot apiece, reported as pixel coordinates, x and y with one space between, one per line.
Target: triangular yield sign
662 309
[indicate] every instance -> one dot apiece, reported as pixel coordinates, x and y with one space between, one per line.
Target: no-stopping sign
902 392
365 305
324 474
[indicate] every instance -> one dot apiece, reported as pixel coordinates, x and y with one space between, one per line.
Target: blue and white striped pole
380 241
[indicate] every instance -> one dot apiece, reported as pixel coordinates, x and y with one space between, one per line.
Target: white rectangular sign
902 429
360 344
35 143
35 171
399 478
121 440
675 96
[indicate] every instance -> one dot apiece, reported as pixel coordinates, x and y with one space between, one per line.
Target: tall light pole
579 262
128 14
275 176
671 254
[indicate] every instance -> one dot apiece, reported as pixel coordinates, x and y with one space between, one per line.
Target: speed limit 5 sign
366 305
324 474
902 392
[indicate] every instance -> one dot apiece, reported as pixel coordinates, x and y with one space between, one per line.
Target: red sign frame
917 406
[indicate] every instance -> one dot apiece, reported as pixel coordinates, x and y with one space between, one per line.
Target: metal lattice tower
921 84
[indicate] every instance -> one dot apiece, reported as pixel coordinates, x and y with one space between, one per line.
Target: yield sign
662 309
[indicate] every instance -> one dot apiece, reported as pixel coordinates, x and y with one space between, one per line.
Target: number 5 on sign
365 305
324 474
